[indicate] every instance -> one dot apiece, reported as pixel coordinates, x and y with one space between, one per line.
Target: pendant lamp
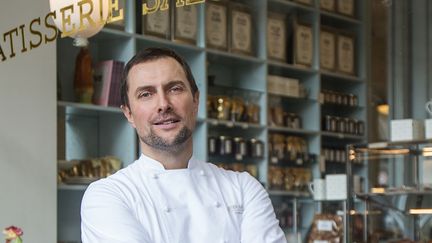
80 20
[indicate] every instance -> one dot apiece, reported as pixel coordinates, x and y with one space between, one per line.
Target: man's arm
106 218
259 223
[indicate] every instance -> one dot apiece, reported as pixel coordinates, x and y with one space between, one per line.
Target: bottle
83 80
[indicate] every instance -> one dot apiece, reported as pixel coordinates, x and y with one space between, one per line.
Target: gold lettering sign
38 31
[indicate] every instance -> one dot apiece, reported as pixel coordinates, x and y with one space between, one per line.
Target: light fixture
383 109
420 211
81 19
378 190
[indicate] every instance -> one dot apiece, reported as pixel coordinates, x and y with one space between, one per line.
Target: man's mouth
166 122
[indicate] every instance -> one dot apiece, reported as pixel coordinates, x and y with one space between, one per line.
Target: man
166 196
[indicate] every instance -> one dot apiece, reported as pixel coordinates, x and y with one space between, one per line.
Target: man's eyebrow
174 82
165 86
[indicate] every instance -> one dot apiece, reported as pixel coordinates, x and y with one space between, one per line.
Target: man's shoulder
115 182
241 178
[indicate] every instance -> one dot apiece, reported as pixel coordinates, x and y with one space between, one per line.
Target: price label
325 225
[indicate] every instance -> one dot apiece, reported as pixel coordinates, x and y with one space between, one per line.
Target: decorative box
406 129
336 187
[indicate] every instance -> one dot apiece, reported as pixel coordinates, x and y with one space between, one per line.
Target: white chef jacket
145 203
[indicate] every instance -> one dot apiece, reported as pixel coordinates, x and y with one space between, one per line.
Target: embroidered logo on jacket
238 209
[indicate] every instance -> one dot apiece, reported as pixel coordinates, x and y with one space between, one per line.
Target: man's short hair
151 54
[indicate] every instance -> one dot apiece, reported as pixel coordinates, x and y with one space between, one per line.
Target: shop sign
42 30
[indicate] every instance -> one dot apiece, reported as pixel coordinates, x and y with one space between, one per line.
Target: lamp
81 19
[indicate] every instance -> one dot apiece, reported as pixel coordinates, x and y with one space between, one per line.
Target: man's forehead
157 71
157 66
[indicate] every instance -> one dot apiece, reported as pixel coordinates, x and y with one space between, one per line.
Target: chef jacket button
217 204
167 209
155 176
202 172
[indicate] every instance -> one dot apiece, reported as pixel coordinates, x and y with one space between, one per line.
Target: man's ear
196 101
128 114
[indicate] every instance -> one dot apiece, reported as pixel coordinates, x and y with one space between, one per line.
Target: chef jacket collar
153 164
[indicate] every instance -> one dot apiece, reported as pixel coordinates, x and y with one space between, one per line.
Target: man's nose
163 103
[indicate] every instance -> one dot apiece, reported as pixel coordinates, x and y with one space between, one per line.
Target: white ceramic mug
318 189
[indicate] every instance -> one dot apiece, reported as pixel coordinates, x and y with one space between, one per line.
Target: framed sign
327 50
186 24
328 5
241 30
345 54
346 7
303 44
157 23
216 25
276 37
120 24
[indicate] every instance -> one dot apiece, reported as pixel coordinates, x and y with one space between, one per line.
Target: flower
13 233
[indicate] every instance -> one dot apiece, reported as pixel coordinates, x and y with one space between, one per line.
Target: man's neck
169 160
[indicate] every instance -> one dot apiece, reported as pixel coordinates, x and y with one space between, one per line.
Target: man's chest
192 207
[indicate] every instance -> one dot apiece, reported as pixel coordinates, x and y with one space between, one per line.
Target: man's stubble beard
157 142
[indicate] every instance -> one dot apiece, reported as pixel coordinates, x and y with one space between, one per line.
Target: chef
168 196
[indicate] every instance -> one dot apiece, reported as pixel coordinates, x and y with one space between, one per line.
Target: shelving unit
91 131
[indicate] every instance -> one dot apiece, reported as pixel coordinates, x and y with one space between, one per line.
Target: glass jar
256 148
351 126
223 106
334 124
212 145
240 149
237 109
226 145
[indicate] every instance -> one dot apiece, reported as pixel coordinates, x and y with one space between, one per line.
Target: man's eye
176 88
144 95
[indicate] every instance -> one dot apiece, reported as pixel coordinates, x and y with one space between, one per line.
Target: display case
391 191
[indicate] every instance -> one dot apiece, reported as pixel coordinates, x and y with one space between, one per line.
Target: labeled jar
256 148
223 106
351 126
353 100
334 124
226 145
212 145
345 100
339 98
237 109
240 149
